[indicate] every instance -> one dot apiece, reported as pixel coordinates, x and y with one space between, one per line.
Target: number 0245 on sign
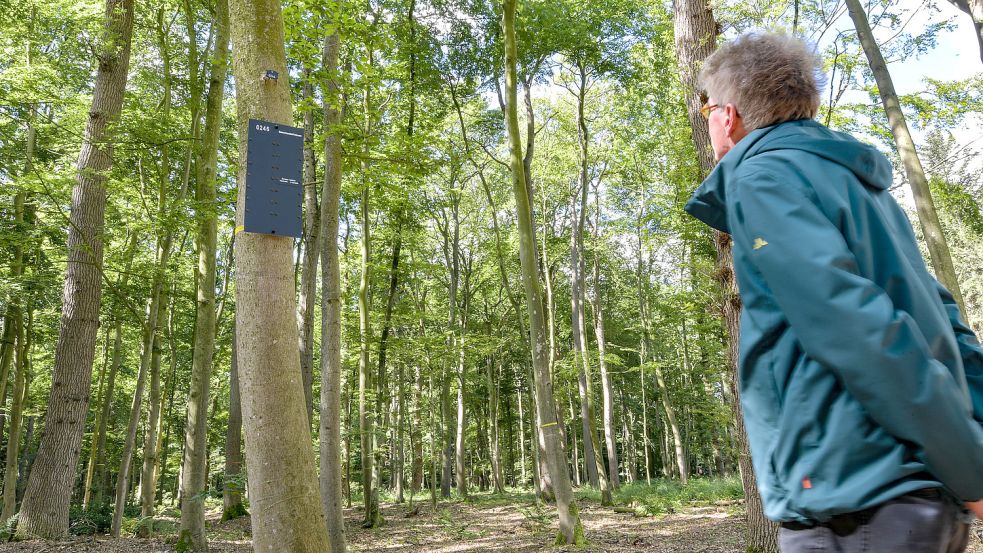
274 179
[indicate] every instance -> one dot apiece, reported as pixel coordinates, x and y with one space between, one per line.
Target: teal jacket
858 380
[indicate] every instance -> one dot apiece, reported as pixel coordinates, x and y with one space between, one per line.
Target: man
862 389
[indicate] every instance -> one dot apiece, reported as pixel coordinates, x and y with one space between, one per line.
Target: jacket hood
871 167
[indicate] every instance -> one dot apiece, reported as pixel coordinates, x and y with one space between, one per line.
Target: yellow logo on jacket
759 243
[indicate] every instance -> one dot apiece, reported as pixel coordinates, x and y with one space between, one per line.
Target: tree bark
571 530
331 367
194 471
22 341
938 249
148 485
129 440
492 380
232 506
21 337
366 416
286 511
695 35
44 512
610 440
311 248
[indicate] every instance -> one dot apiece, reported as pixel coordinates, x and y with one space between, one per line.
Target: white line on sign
291 134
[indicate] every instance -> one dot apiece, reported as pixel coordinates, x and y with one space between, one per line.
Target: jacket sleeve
969 348
850 325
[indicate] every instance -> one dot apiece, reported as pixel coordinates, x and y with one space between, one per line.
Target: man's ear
731 119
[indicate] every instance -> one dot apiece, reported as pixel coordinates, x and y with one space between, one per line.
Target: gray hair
769 77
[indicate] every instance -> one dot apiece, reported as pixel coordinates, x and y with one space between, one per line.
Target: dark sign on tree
274 171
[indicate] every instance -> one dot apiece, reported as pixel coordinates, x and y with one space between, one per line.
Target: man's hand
976 507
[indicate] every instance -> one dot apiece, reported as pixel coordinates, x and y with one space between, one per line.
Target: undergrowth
668 496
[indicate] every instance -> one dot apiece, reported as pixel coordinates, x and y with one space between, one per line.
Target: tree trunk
610 439
522 438
331 367
575 457
22 341
311 247
129 440
366 418
459 442
492 380
232 506
571 530
44 512
451 249
682 459
286 512
938 249
194 471
696 31
147 483
93 480
592 450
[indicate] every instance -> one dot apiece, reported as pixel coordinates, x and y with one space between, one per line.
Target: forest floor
490 523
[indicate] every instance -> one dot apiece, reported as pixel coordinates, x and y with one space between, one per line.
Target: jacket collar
709 201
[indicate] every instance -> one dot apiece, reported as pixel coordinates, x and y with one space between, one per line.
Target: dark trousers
922 522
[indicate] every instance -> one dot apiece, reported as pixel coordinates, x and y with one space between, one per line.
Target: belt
846 523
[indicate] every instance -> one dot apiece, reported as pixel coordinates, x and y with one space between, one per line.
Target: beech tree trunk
22 341
938 249
331 367
44 512
607 395
366 416
571 530
232 489
311 249
194 471
696 33
286 511
21 337
147 483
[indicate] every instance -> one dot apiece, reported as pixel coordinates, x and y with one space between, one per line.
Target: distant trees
510 293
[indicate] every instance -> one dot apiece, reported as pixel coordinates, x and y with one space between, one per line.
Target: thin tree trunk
695 38
147 483
459 445
20 337
575 460
129 443
194 470
44 512
610 439
494 371
331 367
938 249
366 417
286 511
571 530
522 437
232 506
311 248
22 341
93 480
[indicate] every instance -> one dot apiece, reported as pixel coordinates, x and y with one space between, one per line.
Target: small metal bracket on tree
274 177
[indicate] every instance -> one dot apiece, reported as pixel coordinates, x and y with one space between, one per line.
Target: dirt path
492 525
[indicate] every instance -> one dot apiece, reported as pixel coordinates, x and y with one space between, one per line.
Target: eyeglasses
707 109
